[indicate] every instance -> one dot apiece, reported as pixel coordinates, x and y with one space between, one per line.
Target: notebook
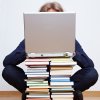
49 34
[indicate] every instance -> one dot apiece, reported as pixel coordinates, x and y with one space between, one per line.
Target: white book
37 96
32 85
63 89
62 98
60 77
36 71
37 75
61 83
37 68
62 93
36 63
55 95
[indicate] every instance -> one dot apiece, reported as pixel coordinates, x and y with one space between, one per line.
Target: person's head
51 7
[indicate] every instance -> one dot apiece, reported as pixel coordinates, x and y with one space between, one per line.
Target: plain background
87 28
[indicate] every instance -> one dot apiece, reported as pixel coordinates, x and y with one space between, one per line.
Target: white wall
87 28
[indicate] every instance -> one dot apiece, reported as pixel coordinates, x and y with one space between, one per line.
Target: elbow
88 64
83 61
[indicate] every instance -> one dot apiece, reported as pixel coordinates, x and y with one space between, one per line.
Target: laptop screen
49 32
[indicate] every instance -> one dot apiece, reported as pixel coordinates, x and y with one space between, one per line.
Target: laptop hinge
65 54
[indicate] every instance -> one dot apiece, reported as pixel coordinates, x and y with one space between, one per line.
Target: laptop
49 34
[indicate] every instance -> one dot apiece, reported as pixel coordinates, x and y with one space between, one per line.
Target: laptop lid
49 32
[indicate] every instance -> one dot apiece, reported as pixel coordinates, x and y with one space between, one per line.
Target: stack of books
37 79
60 73
49 78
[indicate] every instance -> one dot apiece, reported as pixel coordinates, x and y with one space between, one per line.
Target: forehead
52 10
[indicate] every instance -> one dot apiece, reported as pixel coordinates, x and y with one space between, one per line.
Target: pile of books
60 73
49 78
37 79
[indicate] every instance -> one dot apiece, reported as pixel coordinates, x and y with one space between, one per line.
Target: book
36 69
44 83
61 96
37 89
37 60
58 59
61 83
61 93
37 66
38 73
61 68
36 82
62 63
38 99
33 85
60 72
36 63
38 96
62 89
38 76
60 78
39 93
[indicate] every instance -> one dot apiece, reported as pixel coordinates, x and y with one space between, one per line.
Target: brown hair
51 5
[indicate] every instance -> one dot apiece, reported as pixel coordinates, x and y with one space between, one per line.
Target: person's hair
51 5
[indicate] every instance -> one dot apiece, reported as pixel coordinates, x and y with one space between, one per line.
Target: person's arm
81 57
17 56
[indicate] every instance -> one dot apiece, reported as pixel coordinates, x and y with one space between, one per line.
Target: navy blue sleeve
17 56
81 57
